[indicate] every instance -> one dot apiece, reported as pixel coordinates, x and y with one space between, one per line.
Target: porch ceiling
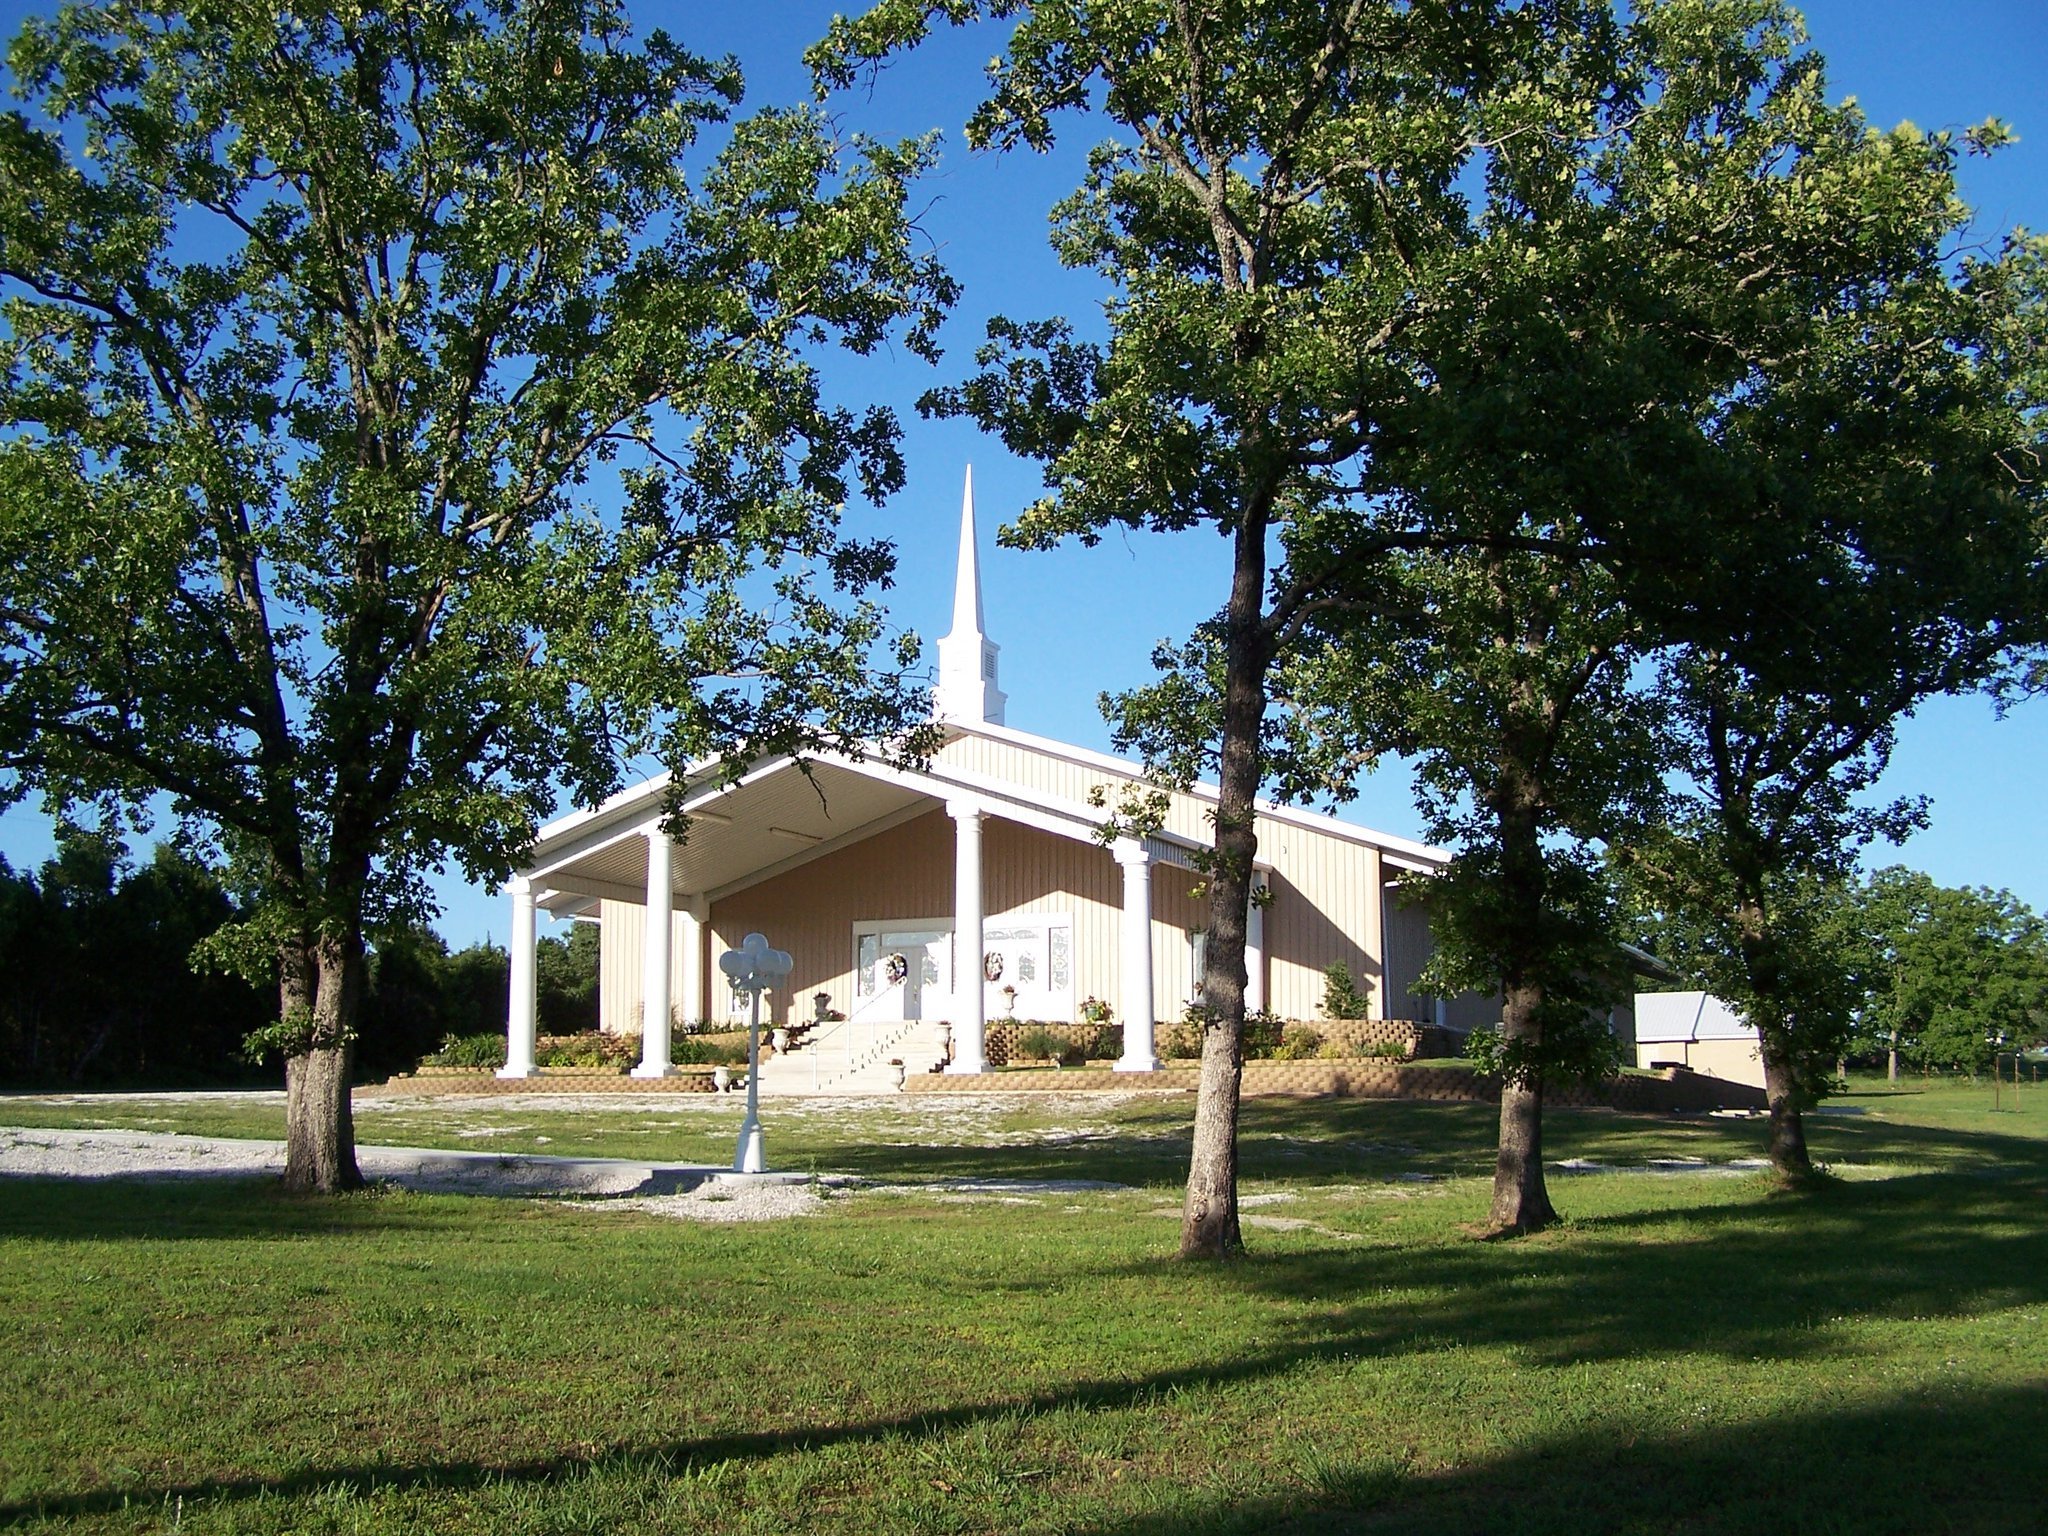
781 818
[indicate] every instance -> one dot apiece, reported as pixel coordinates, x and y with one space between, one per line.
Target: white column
690 934
654 999
1255 949
1139 1052
520 1019
969 1001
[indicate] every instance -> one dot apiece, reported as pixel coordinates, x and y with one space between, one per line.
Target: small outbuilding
1698 1031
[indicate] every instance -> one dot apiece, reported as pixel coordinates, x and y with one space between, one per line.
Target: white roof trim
1426 857
633 809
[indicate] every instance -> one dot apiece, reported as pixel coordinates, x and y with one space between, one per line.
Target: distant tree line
98 985
1953 977
1927 977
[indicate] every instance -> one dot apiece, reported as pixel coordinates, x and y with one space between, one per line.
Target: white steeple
967 658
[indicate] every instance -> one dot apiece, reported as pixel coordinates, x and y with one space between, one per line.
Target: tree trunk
1891 1062
320 1137
1521 1199
320 1134
1788 1155
1209 1226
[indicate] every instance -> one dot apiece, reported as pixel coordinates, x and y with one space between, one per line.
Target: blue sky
1076 622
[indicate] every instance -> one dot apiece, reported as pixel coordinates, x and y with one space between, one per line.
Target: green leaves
313 356
1962 974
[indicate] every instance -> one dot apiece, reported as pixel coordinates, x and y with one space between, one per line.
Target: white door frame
1061 1009
876 927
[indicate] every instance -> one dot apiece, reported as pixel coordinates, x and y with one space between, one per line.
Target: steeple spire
967 657
967 575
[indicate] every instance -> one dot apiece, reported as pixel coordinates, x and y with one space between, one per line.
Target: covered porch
865 872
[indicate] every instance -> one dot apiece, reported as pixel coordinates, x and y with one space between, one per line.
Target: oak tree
1270 213
1448 318
1895 549
323 326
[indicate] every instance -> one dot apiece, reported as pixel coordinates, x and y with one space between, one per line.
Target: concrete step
856 1058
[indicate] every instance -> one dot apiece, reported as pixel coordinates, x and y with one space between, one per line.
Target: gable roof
1406 852
781 812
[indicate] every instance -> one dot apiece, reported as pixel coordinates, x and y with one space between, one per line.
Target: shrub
571 1051
1343 998
469 1051
1298 1043
707 1053
1587 1053
1185 1038
1041 1043
1109 1043
1262 1033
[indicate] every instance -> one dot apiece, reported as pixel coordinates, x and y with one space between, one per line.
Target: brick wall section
1671 1090
1421 1042
1417 1041
550 1080
1358 1034
999 1037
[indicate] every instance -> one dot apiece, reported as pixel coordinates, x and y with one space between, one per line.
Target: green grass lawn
1688 1352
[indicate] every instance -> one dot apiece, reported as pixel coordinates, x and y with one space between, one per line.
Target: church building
975 888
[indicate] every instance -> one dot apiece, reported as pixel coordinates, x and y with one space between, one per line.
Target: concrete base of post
752 1156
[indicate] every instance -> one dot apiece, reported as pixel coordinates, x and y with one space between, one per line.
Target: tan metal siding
1325 909
1176 913
621 958
1044 774
1326 890
620 946
1409 947
905 872
1026 870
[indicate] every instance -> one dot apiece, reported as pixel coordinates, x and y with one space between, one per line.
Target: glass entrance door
900 973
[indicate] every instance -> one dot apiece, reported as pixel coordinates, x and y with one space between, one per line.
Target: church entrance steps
854 1057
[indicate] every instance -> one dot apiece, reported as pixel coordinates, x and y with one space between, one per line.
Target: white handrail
842 1038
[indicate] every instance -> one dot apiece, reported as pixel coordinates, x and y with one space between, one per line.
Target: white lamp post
753 968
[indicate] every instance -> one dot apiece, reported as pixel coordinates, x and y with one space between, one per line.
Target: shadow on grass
1763 1277
1757 1278
207 1207
1953 1462
1333 1140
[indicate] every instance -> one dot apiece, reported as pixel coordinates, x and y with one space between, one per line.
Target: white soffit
772 816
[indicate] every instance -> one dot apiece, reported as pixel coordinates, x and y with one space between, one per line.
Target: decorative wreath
896 969
992 965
